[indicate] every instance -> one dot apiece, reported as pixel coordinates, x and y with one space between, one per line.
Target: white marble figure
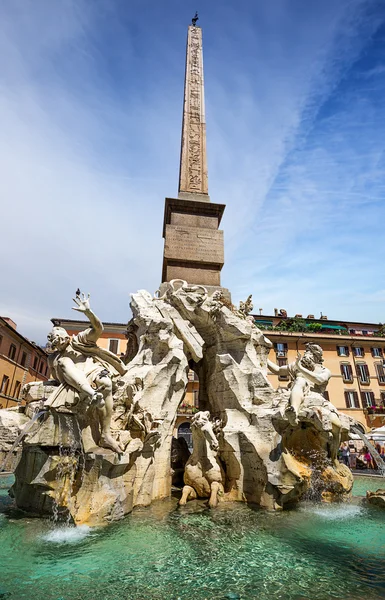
203 475
79 364
306 373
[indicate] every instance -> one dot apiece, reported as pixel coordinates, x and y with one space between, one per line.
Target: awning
336 327
262 322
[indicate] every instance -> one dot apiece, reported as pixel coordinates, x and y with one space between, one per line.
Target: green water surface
164 552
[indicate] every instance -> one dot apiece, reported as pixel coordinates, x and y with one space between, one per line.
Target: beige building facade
353 352
21 362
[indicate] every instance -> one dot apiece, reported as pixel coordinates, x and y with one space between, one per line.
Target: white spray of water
334 512
67 535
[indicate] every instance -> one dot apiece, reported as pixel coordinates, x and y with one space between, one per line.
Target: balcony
378 411
187 409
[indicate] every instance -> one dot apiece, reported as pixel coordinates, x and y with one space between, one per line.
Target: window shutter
346 399
366 370
356 400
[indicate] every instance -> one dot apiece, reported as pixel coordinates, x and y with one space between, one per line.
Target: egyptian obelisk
193 244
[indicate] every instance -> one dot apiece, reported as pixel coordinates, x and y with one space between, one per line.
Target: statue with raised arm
306 373
84 370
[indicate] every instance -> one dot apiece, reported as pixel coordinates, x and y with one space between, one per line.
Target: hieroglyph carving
193 167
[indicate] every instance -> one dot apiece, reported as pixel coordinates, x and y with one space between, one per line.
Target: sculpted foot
107 441
98 400
291 416
188 493
213 502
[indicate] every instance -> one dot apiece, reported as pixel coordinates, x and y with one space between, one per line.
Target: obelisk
193 244
193 159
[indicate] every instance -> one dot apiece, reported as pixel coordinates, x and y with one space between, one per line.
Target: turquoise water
162 552
363 484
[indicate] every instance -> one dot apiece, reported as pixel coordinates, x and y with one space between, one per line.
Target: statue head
314 352
58 339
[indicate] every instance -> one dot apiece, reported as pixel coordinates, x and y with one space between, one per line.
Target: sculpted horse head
201 425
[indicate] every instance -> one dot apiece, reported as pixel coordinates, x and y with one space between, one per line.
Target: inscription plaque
194 244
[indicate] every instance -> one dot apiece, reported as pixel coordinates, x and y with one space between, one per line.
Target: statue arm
284 370
316 378
93 333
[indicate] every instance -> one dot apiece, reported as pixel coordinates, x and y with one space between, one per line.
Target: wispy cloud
90 114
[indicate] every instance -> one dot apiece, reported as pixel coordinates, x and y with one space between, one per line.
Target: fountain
103 445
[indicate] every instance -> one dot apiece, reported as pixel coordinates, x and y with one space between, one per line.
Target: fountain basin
167 552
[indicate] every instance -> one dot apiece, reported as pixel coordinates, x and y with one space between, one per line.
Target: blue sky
90 115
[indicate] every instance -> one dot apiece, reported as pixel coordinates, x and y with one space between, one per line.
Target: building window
35 361
46 370
12 352
196 399
281 349
346 372
282 362
23 359
342 351
114 346
377 352
351 399
42 365
363 373
16 391
380 373
358 351
4 385
367 399
382 398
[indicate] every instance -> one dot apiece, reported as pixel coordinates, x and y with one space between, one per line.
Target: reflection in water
165 552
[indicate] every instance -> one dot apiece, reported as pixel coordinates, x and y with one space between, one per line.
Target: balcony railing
375 410
187 410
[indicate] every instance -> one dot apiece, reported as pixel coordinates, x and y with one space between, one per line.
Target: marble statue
204 476
85 371
306 373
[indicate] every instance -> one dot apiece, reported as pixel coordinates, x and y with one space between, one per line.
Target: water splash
334 512
67 535
66 470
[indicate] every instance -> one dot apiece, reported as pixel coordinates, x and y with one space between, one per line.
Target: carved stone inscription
194 244
193 171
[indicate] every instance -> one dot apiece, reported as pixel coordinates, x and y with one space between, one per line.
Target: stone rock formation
376 498
103 444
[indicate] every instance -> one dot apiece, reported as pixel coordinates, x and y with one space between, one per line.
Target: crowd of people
359 459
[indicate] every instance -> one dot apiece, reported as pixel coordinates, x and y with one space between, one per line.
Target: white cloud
90 114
